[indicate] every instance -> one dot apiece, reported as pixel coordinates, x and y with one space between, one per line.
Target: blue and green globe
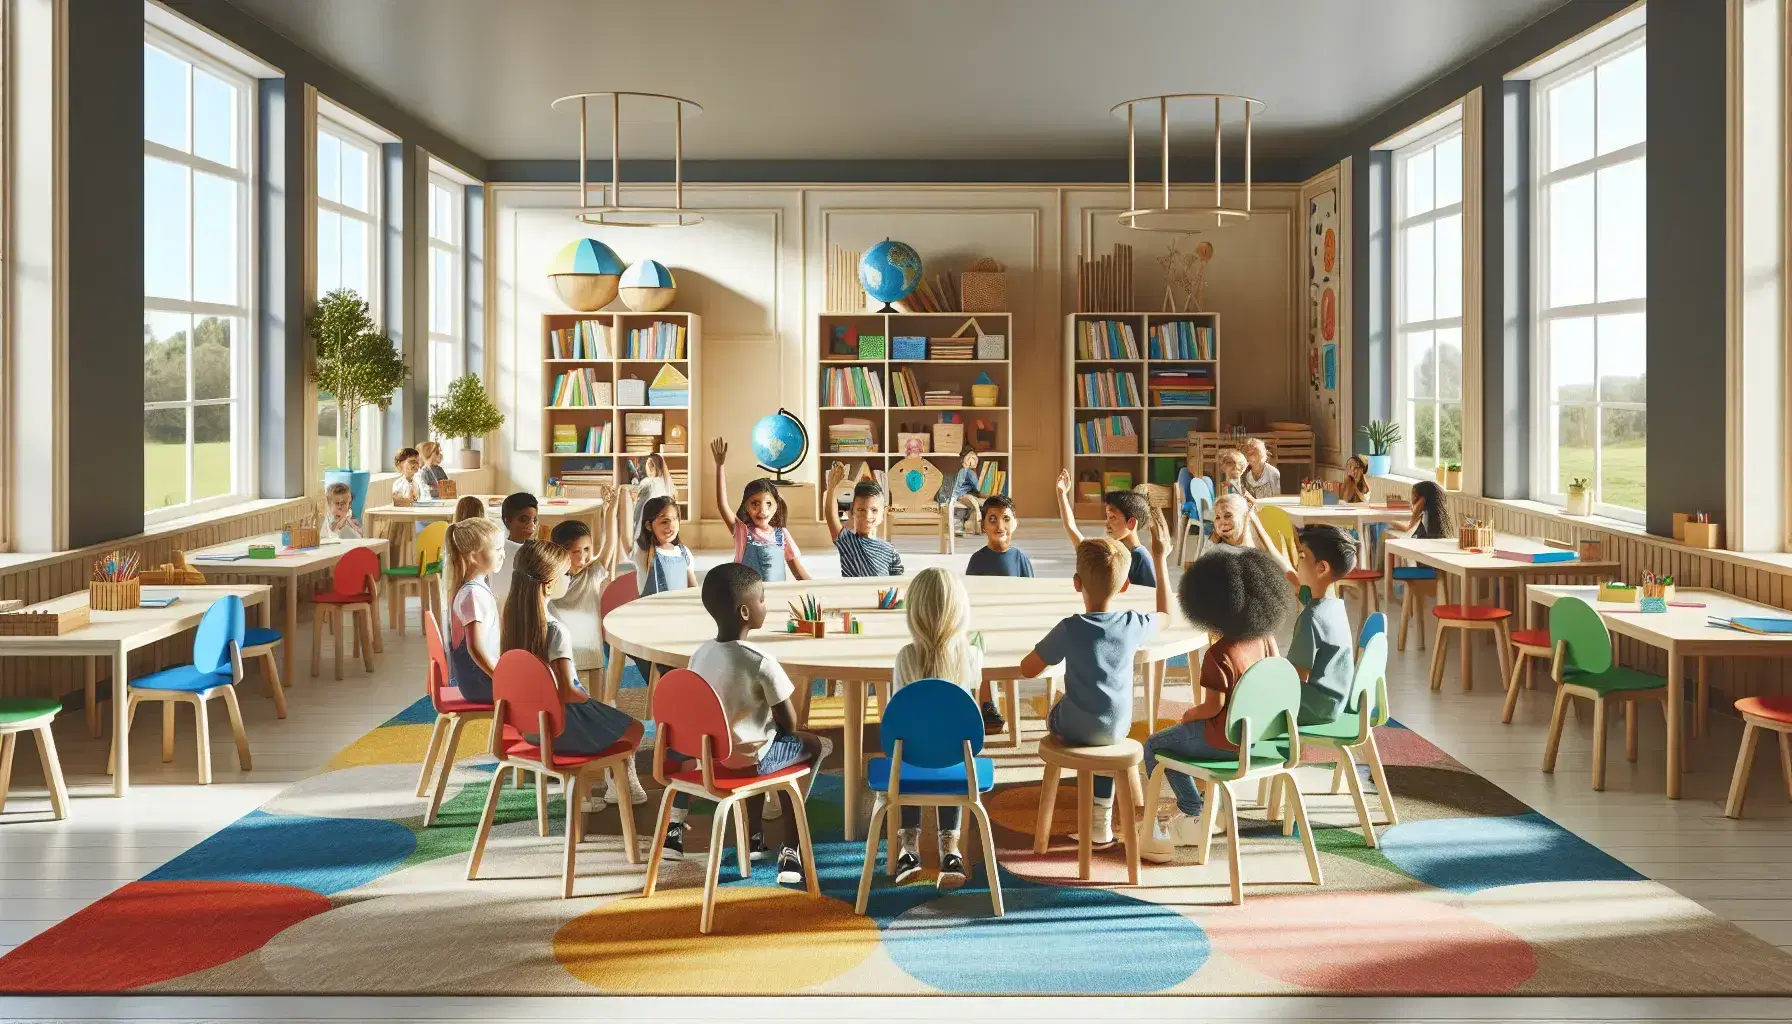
890 271
780 443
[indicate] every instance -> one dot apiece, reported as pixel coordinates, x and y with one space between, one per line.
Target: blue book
1771 625
157 600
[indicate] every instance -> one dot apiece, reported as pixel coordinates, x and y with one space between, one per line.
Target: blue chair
1195 512
931 734
1373 626
216 669
261 642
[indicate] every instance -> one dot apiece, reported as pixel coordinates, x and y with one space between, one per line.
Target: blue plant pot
1380 465
356 479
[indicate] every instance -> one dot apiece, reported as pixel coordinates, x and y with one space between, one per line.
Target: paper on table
219 558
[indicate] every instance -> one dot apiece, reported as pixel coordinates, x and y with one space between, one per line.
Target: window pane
165 227
1417 280
329 252
354 178
213 357
214 239
355 269
213 461
164 357
1571 246
1571 360
1449 266
164 458
1623 237
1571 122
1623 358
441 368
1424 434
326 433
1449 171
1624 445
1449 433
1421 366
441 214
1418 184
164 98
1574 445
329 174
441 292
1622 101
214 119
1449 364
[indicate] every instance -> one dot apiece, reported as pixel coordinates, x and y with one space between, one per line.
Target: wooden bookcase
1161 430
607 465
888 419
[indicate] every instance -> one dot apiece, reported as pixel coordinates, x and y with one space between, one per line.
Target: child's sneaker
1160 842
1101 828
674 847
790 867
952 873
637 794
993 722
756 850
774 807
908 865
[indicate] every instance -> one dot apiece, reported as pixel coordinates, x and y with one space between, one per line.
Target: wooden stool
1120 759
1417 588
1774 713
1366 581
1469 618
20 715
1526 644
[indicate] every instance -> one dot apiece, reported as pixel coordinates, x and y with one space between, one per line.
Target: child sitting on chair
1260 479
475 548
1355 486
578 609
861 553
520 513
1229 472
1324 648
760 539
1242 596
339 515
962 492
1123 513
755 695
469 507
1097 649
432 472
997 557
409 485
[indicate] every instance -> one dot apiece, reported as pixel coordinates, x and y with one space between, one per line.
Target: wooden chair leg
270 666
713 867
1437 659
1085 823
631 839
541 802
1011 694
427 775
805 841
1206 823
743 850
203 725
1630 730
450 742
1745 761
52 766
341 620
1348 764
1232 844
1306 831
574 788
370 629
8 743
1513 684
1129 827
1786 761
1599 704
873 836
1048 801
1557 717
989 857
235 710
657 850
1379 773
1503 647
1463 661
484 831
168 732
317 638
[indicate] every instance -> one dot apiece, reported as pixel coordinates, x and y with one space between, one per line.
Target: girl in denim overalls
661 562
760 539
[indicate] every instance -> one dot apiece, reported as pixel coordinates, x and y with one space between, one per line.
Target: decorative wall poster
1324 264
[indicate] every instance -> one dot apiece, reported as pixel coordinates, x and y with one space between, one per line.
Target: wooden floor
1739 869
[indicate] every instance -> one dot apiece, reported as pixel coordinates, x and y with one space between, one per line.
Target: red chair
1526 645
1366 581
619 592
529 701
353 589
1771 713
452 715
688 716
1466 619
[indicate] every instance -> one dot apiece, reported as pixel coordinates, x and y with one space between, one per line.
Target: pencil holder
114 597
1475 537
1704 535
300 537
816 628
1655 597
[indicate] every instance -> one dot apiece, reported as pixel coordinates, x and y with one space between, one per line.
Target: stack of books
942 397
905 390
1182 340
637 444
659 340
853 386
1181 388
1106 339
681 483
1108 434
580 389
852 435
1107 389
587 339
952 348
932 296
992 479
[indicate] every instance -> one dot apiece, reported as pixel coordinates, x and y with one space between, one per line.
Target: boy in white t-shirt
520 513
755 695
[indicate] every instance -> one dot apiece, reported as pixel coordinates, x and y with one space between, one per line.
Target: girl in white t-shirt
475 548
939 611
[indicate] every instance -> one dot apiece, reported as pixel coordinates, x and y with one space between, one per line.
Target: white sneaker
1159 845
774 807
1101 828
637 795
595 804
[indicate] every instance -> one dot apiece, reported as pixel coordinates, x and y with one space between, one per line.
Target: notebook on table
1767 625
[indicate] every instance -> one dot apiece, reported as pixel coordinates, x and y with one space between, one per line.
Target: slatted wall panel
68 573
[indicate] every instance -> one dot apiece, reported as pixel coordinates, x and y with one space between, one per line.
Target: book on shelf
659 340
905 390
586 339
580 389
1181 388
992 479
1107 389
952 349
935 296
597 440
566 438
1182 339
852 434
942 396
1098 435
1106 339
856 386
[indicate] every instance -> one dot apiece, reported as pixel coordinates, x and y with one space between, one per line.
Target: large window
1428 300
348 256
197 248
447 346
1591 361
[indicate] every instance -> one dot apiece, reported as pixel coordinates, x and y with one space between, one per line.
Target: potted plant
1441 472
1452 475
467 413
1580 497
357 366
1382 436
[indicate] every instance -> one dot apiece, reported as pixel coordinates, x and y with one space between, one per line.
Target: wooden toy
1474 535
44 623
1613 592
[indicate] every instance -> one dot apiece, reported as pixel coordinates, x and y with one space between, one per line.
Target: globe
889 271
780 443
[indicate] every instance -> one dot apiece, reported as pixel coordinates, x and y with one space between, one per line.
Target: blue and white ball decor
648 287
585 273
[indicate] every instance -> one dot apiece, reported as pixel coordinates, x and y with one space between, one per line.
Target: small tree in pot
466 413
357 366
1382 436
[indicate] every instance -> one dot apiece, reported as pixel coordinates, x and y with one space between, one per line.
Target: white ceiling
914 79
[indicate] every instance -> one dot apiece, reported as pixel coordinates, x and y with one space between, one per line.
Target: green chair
1354 732
1262 711
32 714
425 578
1582 666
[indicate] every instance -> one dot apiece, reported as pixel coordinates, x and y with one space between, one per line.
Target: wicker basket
1120 444
114 597
948 438
44 623
983 287
300 537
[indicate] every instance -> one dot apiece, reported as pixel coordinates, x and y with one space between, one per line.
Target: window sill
18 562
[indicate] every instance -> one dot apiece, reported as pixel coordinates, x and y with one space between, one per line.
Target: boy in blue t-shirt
1323 649
1123 513
997 557
1097 649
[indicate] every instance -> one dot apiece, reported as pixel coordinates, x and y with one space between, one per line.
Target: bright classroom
1174 509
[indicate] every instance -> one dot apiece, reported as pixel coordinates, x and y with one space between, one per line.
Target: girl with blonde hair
1235 523
1229 470
475 549
939 614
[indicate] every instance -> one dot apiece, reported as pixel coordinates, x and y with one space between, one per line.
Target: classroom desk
116 634
1344 515
1012 613
1449 559
441 510
1681 633
287 568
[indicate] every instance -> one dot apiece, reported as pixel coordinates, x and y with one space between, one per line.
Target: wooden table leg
291 636
854 742
1700 716
121 724
91 691
1676 752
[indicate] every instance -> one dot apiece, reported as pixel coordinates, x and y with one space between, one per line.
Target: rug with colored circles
336 887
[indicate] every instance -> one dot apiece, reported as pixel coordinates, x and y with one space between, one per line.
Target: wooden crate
44 623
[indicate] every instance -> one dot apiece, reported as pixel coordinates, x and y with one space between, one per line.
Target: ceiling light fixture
609 210
1183 218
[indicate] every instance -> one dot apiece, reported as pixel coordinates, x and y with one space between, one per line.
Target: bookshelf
1173 358
585 358
882 420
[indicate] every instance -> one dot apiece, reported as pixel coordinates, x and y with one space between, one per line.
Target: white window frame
372 421
1405 461
1544 419
243 427
454 339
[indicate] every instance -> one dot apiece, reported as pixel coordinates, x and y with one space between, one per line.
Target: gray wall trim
1506 281
280 285
1373 291
902 172
475 292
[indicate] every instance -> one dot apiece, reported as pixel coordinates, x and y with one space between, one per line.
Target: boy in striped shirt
861 554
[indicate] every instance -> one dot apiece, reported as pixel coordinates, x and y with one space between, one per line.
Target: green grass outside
1625 480
165 473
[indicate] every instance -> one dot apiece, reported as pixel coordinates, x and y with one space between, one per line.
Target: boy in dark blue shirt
998 557
1124 512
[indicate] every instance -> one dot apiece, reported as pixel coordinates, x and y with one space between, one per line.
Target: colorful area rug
335 887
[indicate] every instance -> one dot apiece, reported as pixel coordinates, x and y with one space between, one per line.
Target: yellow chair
1280 529
425 578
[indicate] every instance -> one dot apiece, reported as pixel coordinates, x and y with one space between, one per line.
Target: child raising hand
760 539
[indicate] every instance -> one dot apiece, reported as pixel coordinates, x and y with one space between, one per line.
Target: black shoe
952 873
908 865
790 867
756 850
993 722
674 848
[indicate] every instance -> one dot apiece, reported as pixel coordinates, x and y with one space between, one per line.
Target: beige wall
755 271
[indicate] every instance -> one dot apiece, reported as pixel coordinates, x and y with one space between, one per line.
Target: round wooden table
1012 613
